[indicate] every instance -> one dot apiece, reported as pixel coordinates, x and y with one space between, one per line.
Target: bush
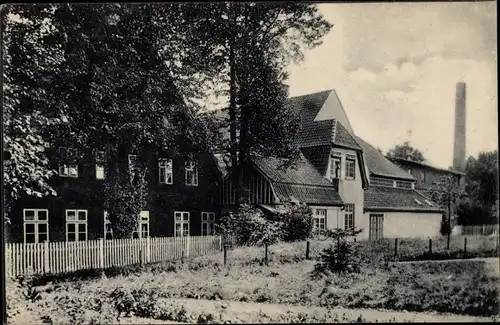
445 228
340 258
249 226
297 222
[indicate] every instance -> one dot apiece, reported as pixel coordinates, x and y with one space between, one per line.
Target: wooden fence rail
59 257
484 230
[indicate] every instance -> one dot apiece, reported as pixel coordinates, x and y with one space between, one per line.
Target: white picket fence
478 230
60 257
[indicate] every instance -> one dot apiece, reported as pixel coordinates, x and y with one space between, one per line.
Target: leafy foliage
480 206
342 257
446 192
297 221
249 226
406 151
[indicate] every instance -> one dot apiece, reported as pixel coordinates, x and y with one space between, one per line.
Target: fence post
148 250
101 253
430 246
225 254
307 250
220 242
266 253
187 245
465 246
395 247
46 266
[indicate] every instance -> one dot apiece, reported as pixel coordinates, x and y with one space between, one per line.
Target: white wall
351 191
333 215
406 224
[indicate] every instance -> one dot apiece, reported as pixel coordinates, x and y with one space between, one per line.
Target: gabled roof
301 182
343 138
379 198
379 165
408 162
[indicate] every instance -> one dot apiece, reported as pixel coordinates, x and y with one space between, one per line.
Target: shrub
297 221
445 228
249 226
342 257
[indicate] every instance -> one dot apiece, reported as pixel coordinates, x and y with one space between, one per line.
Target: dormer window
191 173
335 165
99 165
68 171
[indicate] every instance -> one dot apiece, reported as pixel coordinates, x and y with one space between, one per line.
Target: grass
153 291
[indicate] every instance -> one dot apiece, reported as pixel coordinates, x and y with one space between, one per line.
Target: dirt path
248 312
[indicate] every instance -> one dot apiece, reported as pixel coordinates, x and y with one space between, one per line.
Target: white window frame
77 222
99 165
376 228
207 223
348 162
319 220
36 222
349 218
64 171
409 171
132 161
166 166
191 166
423 176
180 219
335 160
108 231
143 221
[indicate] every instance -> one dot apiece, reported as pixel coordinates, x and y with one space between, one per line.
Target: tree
247 47
406 151
118 81
445 193
481 189
26 168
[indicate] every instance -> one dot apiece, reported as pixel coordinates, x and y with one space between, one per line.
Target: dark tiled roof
318 157
301 182
309 105
407 162
303 173
344 138
379 165
315 133
379 198
307 194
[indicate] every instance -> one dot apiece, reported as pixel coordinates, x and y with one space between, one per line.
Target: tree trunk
235 168
449 226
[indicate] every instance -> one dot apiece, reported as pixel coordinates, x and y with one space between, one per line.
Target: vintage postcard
250 162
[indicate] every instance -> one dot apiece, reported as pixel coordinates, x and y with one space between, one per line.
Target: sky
395 67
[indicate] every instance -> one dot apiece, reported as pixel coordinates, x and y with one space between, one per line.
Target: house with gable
345 180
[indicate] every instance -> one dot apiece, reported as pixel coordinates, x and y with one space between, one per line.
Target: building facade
182 200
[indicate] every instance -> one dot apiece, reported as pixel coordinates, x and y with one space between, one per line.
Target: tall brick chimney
459 140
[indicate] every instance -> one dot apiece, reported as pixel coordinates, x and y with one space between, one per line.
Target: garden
271 281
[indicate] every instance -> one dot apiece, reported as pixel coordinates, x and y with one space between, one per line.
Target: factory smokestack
459 140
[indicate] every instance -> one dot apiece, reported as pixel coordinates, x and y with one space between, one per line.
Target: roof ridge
310 94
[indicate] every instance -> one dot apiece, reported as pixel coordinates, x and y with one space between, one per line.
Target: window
207 223
409 171
108 230
68 171
350 168
143 226
76 225
132 161
36 225
376 226
335 166
349 216
165 171
376 181
99 165
191 173
181 223
402 184
319 218
423 176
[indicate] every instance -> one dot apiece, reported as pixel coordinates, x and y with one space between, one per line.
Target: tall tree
25 61
121 88
247 47
481 188
406 151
